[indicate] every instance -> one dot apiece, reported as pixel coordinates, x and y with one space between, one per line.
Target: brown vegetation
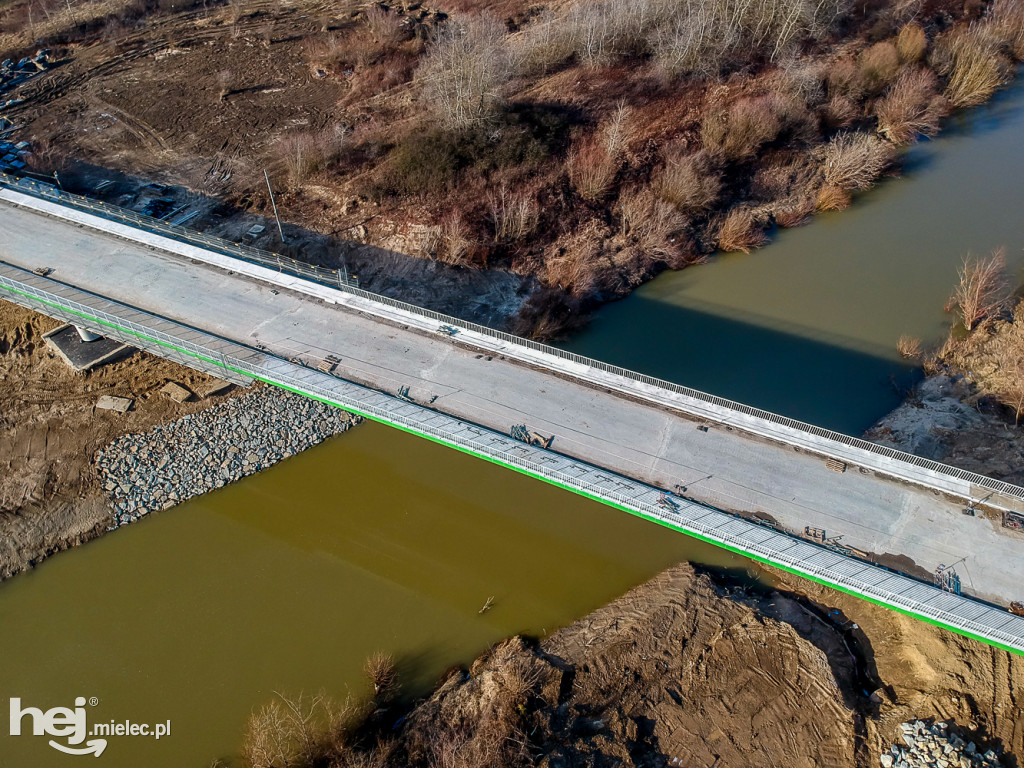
987 344
911 43
855 160
740 231
510 136
972 61
982 289
912 107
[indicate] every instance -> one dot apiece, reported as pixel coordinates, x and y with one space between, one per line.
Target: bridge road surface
728 469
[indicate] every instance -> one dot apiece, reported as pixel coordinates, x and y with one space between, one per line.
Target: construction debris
112 403
934 746
175 391
520 432
835 465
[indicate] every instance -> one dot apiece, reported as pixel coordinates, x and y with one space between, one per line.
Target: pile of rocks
935 746
207 450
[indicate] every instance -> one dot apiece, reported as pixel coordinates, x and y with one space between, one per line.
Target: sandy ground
50 497
683 671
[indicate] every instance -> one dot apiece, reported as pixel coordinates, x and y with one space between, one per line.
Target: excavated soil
683 671
50 496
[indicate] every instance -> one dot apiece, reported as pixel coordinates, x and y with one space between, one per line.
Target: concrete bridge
619 437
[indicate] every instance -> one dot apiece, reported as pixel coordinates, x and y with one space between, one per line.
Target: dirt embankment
686 671
50 494
937 421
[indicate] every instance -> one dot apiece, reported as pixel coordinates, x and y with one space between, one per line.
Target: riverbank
54 495
690 670
938 421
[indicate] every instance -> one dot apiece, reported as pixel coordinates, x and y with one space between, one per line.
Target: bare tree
982 288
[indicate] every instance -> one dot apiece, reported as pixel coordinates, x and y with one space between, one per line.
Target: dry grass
909 347
833 198
691 182
911 43
912 107
854 160
972 61
651 223
879 65
740 231
456 241
738 133
1007 23
591 169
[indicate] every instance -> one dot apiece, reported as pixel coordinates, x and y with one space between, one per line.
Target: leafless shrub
972 62
854 160
1007 23
982 288
308 153
466 70
456 241
912 107
786 182
380 670
909 347
911 43
739 133
691 37
691 182
879 65
833 198
652 224
846 79
224 79
295 731
545 43
795 214
515 216
740 231
840 112
804 80
384 25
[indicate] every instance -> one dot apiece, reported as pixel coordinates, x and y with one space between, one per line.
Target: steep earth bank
689 671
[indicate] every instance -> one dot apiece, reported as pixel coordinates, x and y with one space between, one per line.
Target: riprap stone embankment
207 450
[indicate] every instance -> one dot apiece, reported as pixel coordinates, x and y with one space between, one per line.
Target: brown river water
378 540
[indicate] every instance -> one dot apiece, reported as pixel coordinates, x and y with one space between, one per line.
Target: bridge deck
871 582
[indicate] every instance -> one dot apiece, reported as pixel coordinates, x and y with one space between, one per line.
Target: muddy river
378 540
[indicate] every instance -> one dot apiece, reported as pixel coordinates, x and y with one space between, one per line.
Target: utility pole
274 204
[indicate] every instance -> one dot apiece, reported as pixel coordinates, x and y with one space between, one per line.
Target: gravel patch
935 746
